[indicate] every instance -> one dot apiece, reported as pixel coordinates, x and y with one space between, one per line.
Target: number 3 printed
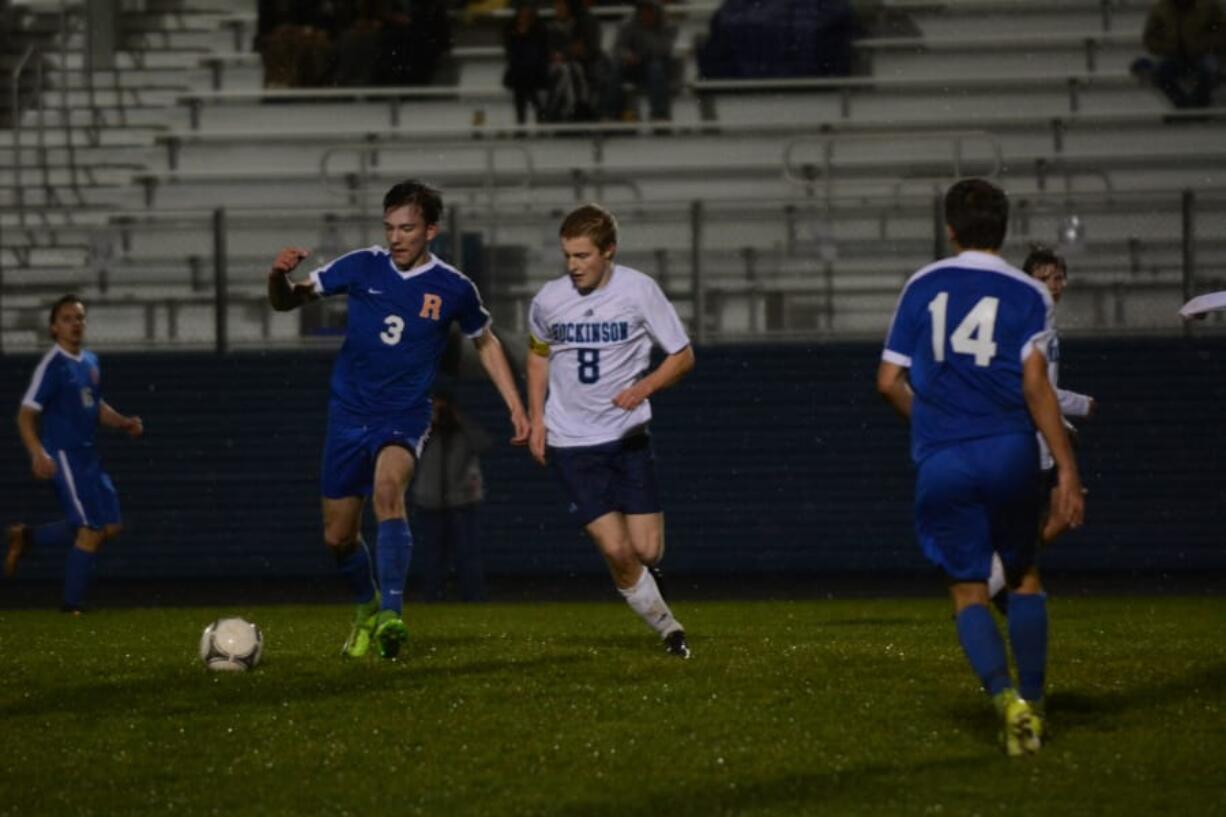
395 328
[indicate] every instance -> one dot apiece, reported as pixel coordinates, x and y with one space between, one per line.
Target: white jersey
1072 404
600 345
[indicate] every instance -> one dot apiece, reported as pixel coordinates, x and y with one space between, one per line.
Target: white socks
645 599
996 582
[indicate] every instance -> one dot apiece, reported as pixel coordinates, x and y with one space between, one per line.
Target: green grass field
788 708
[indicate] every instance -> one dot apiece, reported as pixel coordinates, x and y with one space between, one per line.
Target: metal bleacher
770 209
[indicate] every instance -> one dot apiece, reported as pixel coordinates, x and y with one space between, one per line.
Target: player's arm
671 369
494 361
284 294
893 386
109 418
27 426
538 388
1068 500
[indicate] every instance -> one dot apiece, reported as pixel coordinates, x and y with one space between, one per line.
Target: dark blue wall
773 459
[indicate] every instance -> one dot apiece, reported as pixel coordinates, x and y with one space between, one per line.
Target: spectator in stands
643 57
59 416
761 39
526 41
357 46
1189 39
416 35
295 41
578 68
447 495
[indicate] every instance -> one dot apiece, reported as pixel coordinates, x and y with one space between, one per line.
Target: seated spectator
643 56
763 39
526 41
295 41
579 70
1189 39
357 47
415 36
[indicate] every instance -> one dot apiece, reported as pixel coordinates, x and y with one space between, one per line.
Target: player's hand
134 427
523 428
287 260
1069 500
537 438
42 465
633 397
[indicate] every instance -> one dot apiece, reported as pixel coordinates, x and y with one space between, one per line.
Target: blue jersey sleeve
472 314
44 384
904 331
340 274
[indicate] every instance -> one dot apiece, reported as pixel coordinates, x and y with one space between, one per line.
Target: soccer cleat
390 633
1018 735
18 543
675 644
358 642
74 610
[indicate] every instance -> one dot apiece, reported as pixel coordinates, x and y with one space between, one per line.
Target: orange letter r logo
430 306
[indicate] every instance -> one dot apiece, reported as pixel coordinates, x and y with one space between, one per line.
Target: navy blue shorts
86 493
616 476
351 448
977 497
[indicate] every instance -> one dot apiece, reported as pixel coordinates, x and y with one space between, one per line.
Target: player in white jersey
1051 270
588 389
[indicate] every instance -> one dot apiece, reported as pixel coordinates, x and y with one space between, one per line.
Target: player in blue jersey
58 418
965 362
589 388
402 301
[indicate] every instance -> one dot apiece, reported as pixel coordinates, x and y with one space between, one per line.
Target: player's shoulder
450 274
555 292
986 266
629 278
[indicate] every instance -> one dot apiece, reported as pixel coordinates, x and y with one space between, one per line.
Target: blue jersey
396 330
66 389
964 326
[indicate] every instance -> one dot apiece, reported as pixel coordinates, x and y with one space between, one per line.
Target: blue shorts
86 493
616 476
351 448
977 497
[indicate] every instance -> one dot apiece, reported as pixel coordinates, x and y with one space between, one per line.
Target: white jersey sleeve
599 345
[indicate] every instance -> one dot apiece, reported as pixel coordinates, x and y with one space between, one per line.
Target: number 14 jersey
964 326
599 344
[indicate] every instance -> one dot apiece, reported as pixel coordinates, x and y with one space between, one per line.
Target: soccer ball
231 644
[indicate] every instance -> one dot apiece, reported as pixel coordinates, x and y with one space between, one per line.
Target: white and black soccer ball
231 645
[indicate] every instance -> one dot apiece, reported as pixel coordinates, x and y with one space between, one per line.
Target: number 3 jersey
599 344
964 326
396 330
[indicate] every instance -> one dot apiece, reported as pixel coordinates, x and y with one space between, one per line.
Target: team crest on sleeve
431 306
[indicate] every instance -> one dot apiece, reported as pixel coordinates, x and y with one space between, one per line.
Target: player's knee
388 500
340 541
111 532
89 539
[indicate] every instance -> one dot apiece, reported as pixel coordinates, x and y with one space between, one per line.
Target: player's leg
633 580
1028 640
342 523
21 539
647 538
92 505
394 548
79 568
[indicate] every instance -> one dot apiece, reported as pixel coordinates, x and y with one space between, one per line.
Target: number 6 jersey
964 326
599 344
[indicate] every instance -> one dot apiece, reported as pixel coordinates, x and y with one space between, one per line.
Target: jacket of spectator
1186 29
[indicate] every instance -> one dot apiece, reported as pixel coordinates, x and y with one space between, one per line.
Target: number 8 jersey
599 344
964 326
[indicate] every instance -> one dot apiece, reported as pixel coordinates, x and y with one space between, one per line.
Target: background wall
774 459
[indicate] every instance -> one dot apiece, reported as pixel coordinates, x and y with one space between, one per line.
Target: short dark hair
591 221
978 213
61 302
1043 256
411 191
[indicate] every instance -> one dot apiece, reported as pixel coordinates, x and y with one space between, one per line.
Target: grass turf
788 708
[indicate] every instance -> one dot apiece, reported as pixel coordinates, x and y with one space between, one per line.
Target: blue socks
76 577
54 534
356 568
393 551
983 646
1028 637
